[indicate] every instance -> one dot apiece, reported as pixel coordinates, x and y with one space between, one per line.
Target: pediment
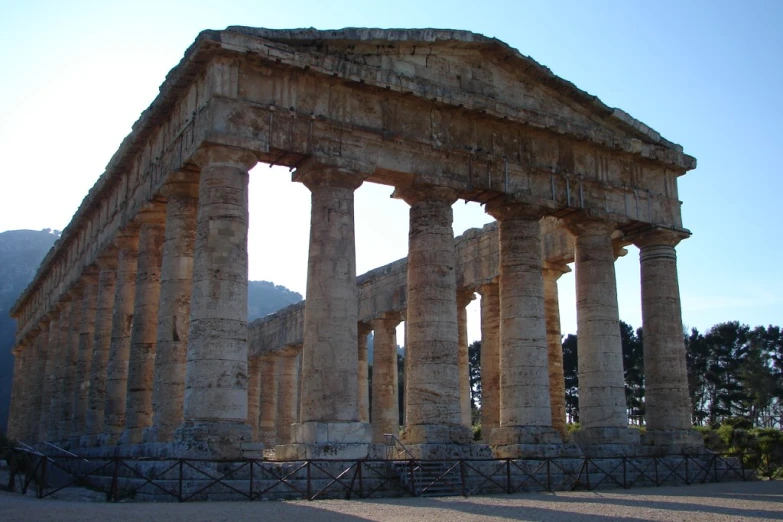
473 72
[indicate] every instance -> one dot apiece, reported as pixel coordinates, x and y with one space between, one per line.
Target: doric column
490 359
39 380
363 373
287 395
89 282
215 403
127 244
16 409
101 346
463 300
71 361
385 398
174 308
254 384
329 408
552 272
57 414
525 416
52 354
667 404
267 422
432 404
141 359
602 412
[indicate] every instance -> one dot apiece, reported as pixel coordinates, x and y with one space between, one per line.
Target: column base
437 434
511 442
220 440
330 451
108 438
331 433
673 442
608 442
444 451
89 441
132 436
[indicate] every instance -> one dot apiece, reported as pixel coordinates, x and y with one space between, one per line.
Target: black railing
250 479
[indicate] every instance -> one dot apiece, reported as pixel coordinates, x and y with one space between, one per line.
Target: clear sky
75 75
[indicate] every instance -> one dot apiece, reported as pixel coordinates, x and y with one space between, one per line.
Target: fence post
687 475
508 476
252 462
462 477
42 480
625 473
179 495
309 485
587 472
655 466
113 495
414 489
549 475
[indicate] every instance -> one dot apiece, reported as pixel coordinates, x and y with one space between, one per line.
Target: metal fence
185 480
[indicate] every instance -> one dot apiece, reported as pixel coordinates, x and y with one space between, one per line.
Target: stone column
71 361
602 411
37 388
267 422
141 361
127 244
89 281
490 359
174 307
385 396
525 411
363 374
463 300
101 346
552 272
215 403
433 413
329 408
254 384
50 378
16 409
667 403
287 395
57 414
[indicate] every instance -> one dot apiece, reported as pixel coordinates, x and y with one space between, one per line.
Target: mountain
21 251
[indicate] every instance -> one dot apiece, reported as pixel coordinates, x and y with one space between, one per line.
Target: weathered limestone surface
552 272
254 386
107 284
385 400
490 359
122 323
85 350
215 403
141 359
601 383
363 373
432 405
287 396
57 413
667 403
174 308
37 382
71 360
267 422
463 300
52 359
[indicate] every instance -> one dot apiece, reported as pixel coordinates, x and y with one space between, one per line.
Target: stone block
446 451
536 435
673 442
330 451
332 432
437 434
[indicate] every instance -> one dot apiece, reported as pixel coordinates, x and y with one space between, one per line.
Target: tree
474 362
633 368
571 375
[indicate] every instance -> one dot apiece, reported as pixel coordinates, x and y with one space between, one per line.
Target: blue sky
707 75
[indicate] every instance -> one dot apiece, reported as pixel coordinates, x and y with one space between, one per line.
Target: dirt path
738 501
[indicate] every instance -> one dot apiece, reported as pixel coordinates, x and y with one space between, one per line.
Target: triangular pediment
475 72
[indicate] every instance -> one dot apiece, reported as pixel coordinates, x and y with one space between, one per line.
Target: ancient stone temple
134 334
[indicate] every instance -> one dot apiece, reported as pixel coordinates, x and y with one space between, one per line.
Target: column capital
582 224
488 286
658 237
314 175
291 350
181 184
507 207
555 269
465 296
107 259
364 328
127 238
152 212
220 155
418 193
90 274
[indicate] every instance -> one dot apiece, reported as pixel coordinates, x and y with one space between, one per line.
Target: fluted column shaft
433 413
463 300
254 384
363 374
141 360
490 359
84 361
287 396
174 308
38 384
667 403
16 410
330 356
385 396
215 403
267 422
122 321
70 384
552 273
101 346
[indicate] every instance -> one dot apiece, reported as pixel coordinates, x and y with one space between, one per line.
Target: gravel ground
751 501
